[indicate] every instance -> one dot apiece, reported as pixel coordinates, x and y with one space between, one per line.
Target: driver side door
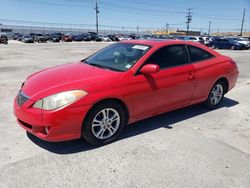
172 87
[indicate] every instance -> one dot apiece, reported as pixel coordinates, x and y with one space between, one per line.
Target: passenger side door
170 88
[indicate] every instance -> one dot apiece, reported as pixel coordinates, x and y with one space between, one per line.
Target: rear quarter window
198 54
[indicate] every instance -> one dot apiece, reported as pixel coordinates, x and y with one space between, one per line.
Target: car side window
169 56
197 54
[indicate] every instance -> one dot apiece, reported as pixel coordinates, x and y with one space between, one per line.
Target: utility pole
137 30
96 15
242 23
167 26
209 27
189 18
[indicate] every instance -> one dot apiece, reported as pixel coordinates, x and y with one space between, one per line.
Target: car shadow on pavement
166 120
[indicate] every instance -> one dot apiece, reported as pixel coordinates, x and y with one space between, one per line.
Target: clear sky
224 14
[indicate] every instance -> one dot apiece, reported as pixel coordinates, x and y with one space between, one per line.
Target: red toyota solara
122 83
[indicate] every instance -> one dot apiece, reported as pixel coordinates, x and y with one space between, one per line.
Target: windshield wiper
98 65
103 67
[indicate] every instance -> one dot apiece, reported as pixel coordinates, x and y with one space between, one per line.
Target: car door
170 88
204 65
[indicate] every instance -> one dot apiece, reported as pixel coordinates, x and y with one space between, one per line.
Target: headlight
59 100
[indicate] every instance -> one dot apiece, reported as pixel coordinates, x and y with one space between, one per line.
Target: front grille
21 98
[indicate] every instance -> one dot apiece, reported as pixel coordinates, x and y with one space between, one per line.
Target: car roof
153 42
165 42
156 42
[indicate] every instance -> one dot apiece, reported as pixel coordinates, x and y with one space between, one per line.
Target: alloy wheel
106 123
216 94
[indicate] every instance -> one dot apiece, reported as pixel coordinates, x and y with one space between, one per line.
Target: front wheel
104 123
216 95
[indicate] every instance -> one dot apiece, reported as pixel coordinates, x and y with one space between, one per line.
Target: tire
213 47
101 133
232 47
216 95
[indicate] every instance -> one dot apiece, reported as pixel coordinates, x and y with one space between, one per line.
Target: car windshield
118 57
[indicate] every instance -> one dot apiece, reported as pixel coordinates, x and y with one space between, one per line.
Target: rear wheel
216 95
104 123
232 47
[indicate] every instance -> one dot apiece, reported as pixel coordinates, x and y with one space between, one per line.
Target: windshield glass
118 57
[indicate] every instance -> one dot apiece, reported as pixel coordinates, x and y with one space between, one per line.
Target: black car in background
226 43
86 37
3 38
114 38
17 36
95 37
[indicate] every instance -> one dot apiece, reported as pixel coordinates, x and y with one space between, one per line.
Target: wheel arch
116 100
224 80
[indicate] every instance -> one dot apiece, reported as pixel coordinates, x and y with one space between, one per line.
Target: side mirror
150 68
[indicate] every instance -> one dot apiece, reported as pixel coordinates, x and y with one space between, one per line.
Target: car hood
64 78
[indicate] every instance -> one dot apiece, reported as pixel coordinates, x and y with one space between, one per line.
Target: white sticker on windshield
140 47
128 66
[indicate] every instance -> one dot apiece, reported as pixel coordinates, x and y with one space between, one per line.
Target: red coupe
122 83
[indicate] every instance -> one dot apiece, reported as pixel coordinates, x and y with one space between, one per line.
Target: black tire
233 48
209 102
87 132
213 47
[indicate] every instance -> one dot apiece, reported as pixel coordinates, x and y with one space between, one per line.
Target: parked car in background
178 37
207 40
86 37
114 38
39 38
66 38
226 43
78 38
17 36
3 38
105 38
126 82
247 38
241 41
121 37
195 39
52 38
27 39
59 35
167 37
95 37
33 35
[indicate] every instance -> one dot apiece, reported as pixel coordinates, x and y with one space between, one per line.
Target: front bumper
58 125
